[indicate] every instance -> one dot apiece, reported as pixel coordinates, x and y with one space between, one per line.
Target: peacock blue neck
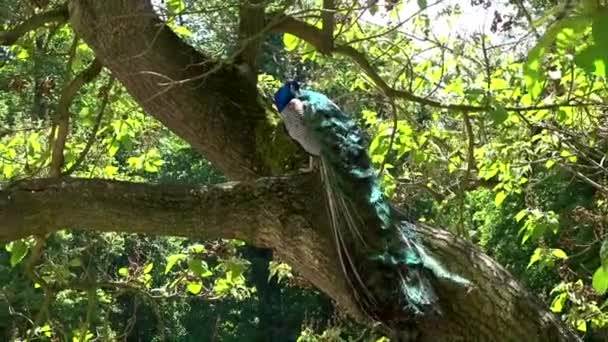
285 94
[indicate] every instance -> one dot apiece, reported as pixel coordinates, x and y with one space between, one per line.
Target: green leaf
600 280
604 252
182 31
557 305
599 29
18 251
290 41
195 288
521 214
198 248
536 256
176 6
558 253
422 4
172 259
23 54
123 271
499 115
199 268
549 164
568 32
500 197
149 167
581 325
592 60
148 268
533 73
76 262
110 170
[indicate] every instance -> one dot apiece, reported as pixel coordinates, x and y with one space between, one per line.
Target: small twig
392 138
49 295
94 131
92 301
59 14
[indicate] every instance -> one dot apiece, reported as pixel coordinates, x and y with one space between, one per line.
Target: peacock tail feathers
388 268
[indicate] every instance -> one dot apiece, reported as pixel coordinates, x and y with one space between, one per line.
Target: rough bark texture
211 104
215 107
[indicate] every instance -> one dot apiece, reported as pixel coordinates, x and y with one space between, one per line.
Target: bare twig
314 36
93 134
49 295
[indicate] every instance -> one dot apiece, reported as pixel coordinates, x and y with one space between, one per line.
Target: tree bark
215 107
212 104
283 214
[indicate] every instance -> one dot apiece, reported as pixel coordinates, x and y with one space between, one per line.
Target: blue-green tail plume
389 270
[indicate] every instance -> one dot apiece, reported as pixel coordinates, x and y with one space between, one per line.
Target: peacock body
387 267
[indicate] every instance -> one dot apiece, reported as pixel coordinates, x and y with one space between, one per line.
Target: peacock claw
310 168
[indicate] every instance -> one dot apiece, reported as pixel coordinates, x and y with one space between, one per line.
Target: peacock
388 269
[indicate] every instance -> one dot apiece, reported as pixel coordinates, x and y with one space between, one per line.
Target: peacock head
285 94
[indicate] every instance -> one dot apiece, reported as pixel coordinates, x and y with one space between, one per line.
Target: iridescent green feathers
387 266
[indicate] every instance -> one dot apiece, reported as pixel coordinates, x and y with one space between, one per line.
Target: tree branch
328 16
283 214
251 24
63 113
59 14
315 37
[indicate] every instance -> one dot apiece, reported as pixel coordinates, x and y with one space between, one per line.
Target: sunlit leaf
195 288
123 271
557 305
600 280
198 248
520 215
500 197
148 268
533 72
536 256
290 41
182 31
176 6
172 260
18 251
558 253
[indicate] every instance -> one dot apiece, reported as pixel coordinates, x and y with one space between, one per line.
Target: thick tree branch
329 10
251 24
59 14
284 214
219 114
